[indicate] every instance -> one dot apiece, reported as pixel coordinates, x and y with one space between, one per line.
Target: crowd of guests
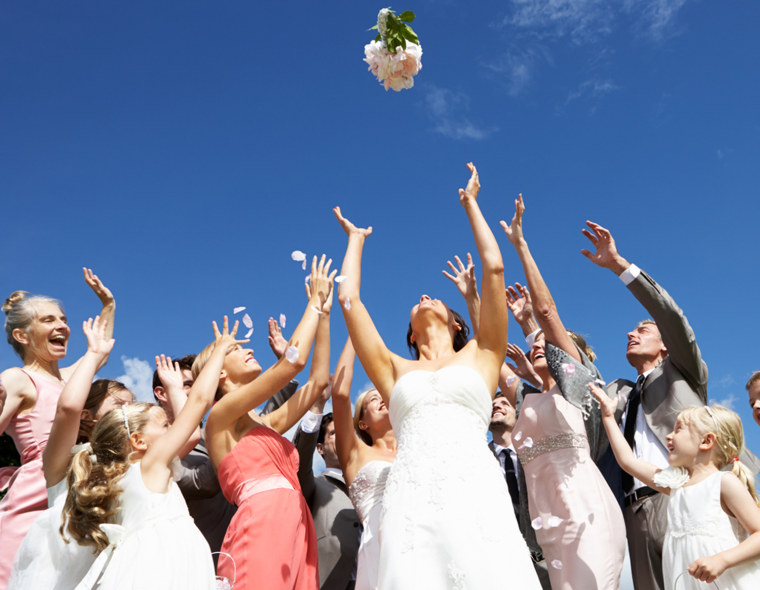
117 494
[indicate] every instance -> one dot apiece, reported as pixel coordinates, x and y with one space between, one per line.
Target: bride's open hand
349 227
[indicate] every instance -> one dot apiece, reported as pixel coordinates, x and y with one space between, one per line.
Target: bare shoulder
18 384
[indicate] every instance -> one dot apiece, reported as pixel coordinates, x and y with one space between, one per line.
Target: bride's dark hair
461 337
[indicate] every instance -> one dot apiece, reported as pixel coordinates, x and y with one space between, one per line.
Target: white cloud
447 110
582 21
657 16
138 378
592 89
728 402
518 67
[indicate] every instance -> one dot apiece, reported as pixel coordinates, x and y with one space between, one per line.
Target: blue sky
184 149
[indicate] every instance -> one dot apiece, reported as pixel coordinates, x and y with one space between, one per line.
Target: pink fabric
271 537
27 495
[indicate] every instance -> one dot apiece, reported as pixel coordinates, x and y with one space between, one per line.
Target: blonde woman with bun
37 329
366 448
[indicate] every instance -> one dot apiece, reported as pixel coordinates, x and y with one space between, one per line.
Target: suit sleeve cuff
311 422
630 274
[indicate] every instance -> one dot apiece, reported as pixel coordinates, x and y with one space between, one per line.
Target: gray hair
20 310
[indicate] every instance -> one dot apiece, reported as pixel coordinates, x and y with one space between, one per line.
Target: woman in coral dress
37 328
270 542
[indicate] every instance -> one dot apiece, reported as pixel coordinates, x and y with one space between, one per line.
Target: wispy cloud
518 67
657 17
447 109
728 401
138 377
592 89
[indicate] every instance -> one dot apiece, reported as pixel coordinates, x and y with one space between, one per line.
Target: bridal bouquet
394 57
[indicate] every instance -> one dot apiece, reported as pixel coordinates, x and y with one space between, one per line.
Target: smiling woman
37 329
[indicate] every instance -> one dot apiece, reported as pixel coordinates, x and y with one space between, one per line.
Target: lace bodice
368 487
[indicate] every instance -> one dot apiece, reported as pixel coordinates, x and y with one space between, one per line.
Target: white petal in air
247 321
297 255
553 521
238 309
347 304
282 320
340 278
537 523
248 333
303 265
517 435
528 443
568 368
307 280
600 382
556 564
291 354
510 380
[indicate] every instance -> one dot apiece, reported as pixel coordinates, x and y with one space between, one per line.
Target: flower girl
123 502
709 509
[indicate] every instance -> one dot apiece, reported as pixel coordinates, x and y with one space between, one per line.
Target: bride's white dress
447 519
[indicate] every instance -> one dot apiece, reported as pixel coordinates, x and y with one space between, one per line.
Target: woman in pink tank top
37 329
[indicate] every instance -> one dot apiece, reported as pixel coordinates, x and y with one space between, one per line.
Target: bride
447 519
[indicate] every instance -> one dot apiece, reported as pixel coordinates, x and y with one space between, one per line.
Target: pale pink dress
27 495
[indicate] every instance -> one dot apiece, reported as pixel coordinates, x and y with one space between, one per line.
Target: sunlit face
327 448
427 305
502 412
187 380
538 355
48 334
240 365
374 409
645 343
683 445
754 400
112 401
156 427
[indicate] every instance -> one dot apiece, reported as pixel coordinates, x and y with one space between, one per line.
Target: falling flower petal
517 435
238 309
568 368
528 443
347 304
556 564
537 523
247 321
340 278
553 521
282 320
600 382
307 280
297 255
510 380
303 265
291 354
248 333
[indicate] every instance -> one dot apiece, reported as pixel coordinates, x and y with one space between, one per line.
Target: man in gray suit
671 376
336 523
502 423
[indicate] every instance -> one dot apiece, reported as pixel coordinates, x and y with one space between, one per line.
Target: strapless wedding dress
366 493
447 518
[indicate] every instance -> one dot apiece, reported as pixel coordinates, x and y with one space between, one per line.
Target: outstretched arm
492 333
171 378
63 433
543 305
520 304
346 442
465 281
522 367
375 357
639 469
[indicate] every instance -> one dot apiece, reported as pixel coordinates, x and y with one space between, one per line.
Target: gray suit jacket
680 381
336 523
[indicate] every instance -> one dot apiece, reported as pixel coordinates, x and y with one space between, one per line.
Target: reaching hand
349 227
225 340
97 341
514 229
606 254
707 569
169 374
320 286
463 277
103 292
519 303
522 367
606 403
277 341
473 186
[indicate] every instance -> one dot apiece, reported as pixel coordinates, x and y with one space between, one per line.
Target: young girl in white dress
122 499
713 515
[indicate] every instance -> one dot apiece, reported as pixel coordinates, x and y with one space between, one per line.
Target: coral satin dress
271 541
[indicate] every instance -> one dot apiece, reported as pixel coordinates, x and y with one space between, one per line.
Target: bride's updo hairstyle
358 415
20 310
461 337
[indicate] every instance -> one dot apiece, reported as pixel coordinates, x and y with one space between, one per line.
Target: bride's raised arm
374 356
492 333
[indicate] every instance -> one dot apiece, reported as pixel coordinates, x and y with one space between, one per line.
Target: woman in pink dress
578 523
37 328
271 539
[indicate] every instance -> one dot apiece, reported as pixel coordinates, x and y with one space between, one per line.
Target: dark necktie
629 430
511 477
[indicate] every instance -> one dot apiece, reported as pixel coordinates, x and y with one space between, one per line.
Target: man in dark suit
671 376
502 423
336 523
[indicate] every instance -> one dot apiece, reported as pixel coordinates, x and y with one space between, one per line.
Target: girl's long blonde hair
94 476
729 436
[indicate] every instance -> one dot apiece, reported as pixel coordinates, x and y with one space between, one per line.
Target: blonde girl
713 514
123 502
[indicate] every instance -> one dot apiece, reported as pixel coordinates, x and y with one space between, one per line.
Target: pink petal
517 435
528 443
282 320
247 321
248 333
537 523
303 266
238 309
340 278
347 304
554 521
568 368
291 354
556 564
510 380
297 255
